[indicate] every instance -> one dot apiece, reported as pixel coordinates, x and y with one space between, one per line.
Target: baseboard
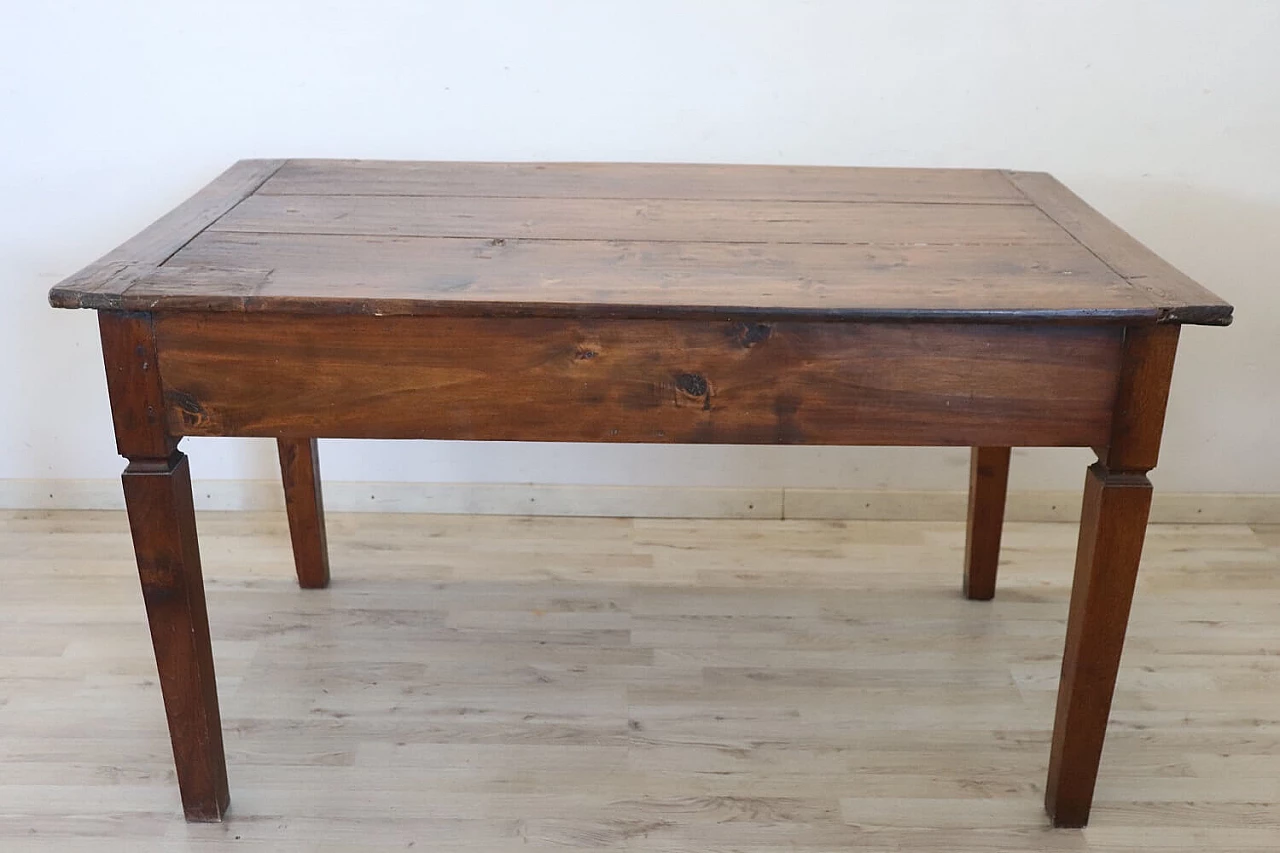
447 498
1166 508
642 501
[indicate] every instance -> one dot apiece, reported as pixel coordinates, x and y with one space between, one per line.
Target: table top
640 240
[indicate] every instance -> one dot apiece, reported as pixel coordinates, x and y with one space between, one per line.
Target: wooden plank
100 284
637 381
677 220
641 180
418 275
347 726
1178 298
1050 258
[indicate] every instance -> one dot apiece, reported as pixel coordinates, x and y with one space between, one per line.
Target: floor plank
489 683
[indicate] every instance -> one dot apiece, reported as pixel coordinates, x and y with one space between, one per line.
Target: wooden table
638 303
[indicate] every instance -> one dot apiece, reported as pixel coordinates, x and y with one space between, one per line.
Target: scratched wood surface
641 240
503 684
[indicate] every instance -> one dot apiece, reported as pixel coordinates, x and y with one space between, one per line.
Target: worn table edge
1176 297
155 244
314 307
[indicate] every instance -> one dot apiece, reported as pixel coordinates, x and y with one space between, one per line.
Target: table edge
1176 296
310 307
152 246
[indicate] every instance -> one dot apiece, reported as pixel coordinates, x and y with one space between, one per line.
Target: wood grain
988 485
157 493
641 303
304 504
641 241
1143 397
162 520
1179 299
100 284
642 180
1113 523
636 381
1112 527
317 274
645 220
764 686
133 384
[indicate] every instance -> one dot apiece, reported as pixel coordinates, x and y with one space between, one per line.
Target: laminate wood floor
503 684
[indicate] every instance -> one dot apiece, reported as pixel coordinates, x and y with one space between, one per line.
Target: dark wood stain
692 384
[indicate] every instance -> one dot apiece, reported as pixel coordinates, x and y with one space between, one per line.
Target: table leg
157 493
1112 526
162 519
1117 501
300 470
988 483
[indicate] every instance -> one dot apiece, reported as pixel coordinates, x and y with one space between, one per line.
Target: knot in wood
188 406
750 334
693 384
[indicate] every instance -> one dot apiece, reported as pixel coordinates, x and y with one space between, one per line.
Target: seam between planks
217 218
1001 202
1147 295
138 279
629 240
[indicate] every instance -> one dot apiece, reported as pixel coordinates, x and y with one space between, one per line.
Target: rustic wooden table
638 303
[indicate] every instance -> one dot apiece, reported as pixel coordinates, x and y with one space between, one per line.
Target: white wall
1165 115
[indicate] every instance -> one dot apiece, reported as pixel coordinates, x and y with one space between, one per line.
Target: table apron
622 380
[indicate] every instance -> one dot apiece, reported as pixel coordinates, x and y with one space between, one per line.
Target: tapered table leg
300 470
1113 524
1112 527
988 484
162 519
